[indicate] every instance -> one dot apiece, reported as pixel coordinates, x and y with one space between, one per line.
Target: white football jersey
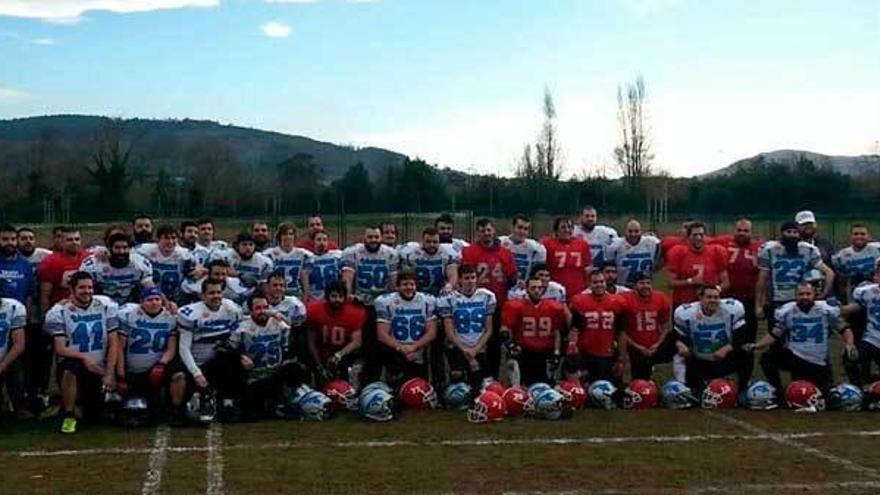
324 268
807 333
169 271
146 336
430 268
786 270
555 291
119 284
633 259
457 244
86 329
291 308
35 258
708 333
525 254
868 297
599 239
263 344
468 313
235 290
13 316
855 266
208 327
258 265
407 318
292 262
373 271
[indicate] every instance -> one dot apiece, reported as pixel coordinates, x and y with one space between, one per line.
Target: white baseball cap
805 216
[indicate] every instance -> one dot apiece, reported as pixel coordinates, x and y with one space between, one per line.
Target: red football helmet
640 394
573 392
719 394
342 394
872 396
489 406
803 395
515 399
493 385
417 393
156 376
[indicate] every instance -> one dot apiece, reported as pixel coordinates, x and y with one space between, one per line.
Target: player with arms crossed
634 254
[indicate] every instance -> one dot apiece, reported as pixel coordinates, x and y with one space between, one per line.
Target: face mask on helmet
315 406
417 393
375 405
135 412
677 395
342 395
719 394
457 395
549 405
845 397
602 394
488 407
761 396
803 396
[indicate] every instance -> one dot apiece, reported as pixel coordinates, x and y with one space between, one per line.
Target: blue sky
459 82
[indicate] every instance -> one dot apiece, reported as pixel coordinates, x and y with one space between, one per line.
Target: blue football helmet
315 406
677 395
536 389
846 397
601 394
549 404
761 396
375 404
377 385
457 395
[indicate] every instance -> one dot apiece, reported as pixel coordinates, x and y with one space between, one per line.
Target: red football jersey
568 261
645 318
742 268
669 242
683 262
56 269
309 245
496 269
534 326
596 320
334 328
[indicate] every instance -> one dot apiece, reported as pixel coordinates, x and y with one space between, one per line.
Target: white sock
679 369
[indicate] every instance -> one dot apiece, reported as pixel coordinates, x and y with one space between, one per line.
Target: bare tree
633 155
110 157
544 161
526 166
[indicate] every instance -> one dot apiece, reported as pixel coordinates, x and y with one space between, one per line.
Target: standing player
142 228
234 289
188 235
326 265
389 235
742 270
707 335
260 234
526 252
38 352
864 308
292 261
172 264
247 264
445 226
406 324
599 237
119 274
804 328
647 339
808 230
334 328
634 254
695 264
13 317
592 341
568 257
782 265
16 273
467 322
56 269
435 264
531 329
315 224
206 245
290 308
609 270
854 264
84 332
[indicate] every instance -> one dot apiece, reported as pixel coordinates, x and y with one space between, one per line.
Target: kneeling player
210 365
592 340
806 326
148 335
263 339
405 325
707 332
865 301
335 327
531 329
467 321
13 318
84 332
647 339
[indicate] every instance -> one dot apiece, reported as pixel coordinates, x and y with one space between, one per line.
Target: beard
372 248
790 244
8 251
446 238
143 237
26 251
119 260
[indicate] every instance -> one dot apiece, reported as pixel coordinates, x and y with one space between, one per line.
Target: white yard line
824 487
158 456
792 442
214 470
214 442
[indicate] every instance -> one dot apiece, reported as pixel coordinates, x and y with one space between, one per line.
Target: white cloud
275 29
43 41
70 11
9 95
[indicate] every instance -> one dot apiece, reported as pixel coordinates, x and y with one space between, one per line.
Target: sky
460 83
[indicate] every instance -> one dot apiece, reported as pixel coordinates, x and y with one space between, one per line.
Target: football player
172 264
55 270
853 266
206 243
808 230
634 254
647 339
148 344
234 290
315 224
445 226
389 235
406 323
205 328
142 227
260 234
599 237
188 235
609 270
435 264
293 261
84 332
804 328
13 317
569 258
526 251
695 264
38 352
554 290
325 267
531 329
119 273
16 272
334 328
467 322
707 333
251 267
592 342
865 300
